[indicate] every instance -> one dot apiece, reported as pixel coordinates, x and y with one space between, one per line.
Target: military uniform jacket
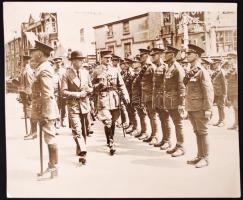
44 105
219 83
174 88
147 83
58 76
73 85
136 90
107 97
232 83
26 79
199 91
158 85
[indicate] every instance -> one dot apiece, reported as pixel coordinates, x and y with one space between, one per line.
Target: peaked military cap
156 51
128 60
115 57
207 61
46 49
26 57
51 61
170 49
76 54
232 54
144 51
216 60
195 49
57 60
105 54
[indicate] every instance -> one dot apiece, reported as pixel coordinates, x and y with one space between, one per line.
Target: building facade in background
44 29
125 37
216 32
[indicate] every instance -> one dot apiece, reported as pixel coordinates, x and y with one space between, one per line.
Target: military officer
174 97
146 96
44 106
199 103
25 81
158 89
59 71
109 88
128 77
76 86
220 90
232 86
124 118
135 99
140 83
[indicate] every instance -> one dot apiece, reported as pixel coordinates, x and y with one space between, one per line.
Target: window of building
111 48
167 20
81 35
126 27
54 27
110 31
127 49
226 41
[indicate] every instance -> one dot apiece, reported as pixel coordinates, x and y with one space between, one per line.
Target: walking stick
25 119
41 151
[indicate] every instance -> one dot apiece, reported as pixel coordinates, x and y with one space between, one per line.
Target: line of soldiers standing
140 90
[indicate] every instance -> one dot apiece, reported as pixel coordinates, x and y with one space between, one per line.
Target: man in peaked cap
174 97
148 69
109 89
59 71
76 87
137 89
199 104
44 106
220 90
25 81
157 99
232 89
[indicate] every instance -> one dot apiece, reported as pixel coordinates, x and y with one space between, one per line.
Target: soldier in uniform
44 106
59 71
109 88
25 81
220 90
232 83
124 118
199 103
174 97
142 85
158 89
135 99
128 77
146 97
76 86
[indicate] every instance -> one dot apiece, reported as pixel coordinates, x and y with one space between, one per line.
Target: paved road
137 170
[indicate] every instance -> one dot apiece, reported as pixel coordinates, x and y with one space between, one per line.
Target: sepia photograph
121 100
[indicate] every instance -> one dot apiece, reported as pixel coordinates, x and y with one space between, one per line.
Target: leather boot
107 135
51 172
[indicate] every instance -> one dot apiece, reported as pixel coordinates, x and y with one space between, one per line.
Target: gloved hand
126 101
208 114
